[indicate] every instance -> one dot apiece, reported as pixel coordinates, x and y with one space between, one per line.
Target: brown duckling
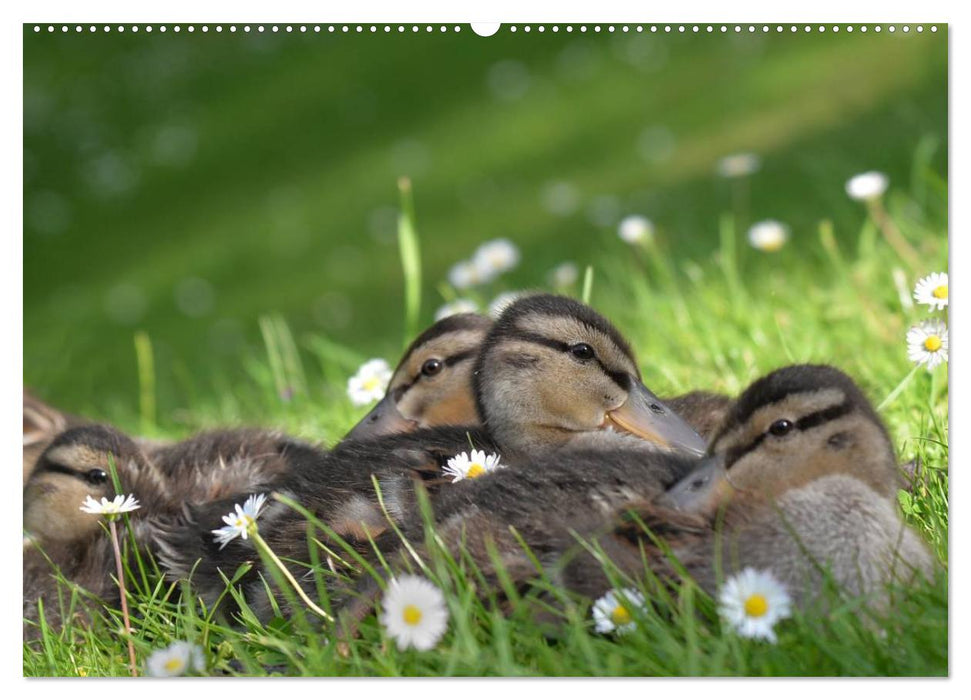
58 534
801 480
430 385
552 377
42 423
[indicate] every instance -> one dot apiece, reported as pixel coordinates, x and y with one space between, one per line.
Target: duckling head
789 428
75 465
552 369
432 384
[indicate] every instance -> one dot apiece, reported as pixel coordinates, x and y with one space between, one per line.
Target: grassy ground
280 204
715 322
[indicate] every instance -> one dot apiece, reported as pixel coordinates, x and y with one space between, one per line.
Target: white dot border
521 29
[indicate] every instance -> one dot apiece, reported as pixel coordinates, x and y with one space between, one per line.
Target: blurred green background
187 184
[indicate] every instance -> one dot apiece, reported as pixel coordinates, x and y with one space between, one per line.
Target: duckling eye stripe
824 416
448 362
618 378
813 420
459 357
60 469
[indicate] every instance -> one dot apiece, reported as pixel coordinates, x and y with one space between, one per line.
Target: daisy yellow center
411 615
932 343
940 292
772 244
756 605
620 615
475 469
244 521
372 383
173 665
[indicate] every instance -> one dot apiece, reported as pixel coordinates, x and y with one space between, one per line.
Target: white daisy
752 602
932 290
178 659
463 466
467 274
458 306
635 229
768 236
867 186
240 523
414 613
495 257
612 611
927 344
501 302
564 275
738 165
369 383
118 505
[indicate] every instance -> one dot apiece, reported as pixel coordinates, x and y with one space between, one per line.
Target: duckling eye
431 367
96 476
781 427
582 351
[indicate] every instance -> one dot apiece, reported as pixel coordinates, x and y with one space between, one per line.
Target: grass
715 321
283 195
250 163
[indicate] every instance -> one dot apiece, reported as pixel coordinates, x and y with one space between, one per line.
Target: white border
510 11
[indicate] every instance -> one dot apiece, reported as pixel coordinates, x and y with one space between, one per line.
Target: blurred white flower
635 229
603 210
125 304
768 236
560 198
927 344
465 466
458 306
738 165
176 660
414 613
932 291
499 304
467 274
752 602
495 257
240 522
369 383
508 80
118 505
612 611
194 296
656 144
564 275
867 186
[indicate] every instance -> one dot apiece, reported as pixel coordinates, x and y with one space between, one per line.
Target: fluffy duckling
58 534
42 423
801 480
551 378
432 383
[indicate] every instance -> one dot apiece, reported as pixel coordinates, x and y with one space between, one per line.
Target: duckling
59 535
41 424
551 378
801 480
431 385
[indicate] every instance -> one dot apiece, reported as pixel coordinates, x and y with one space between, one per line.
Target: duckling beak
646 416
701 490
383 419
